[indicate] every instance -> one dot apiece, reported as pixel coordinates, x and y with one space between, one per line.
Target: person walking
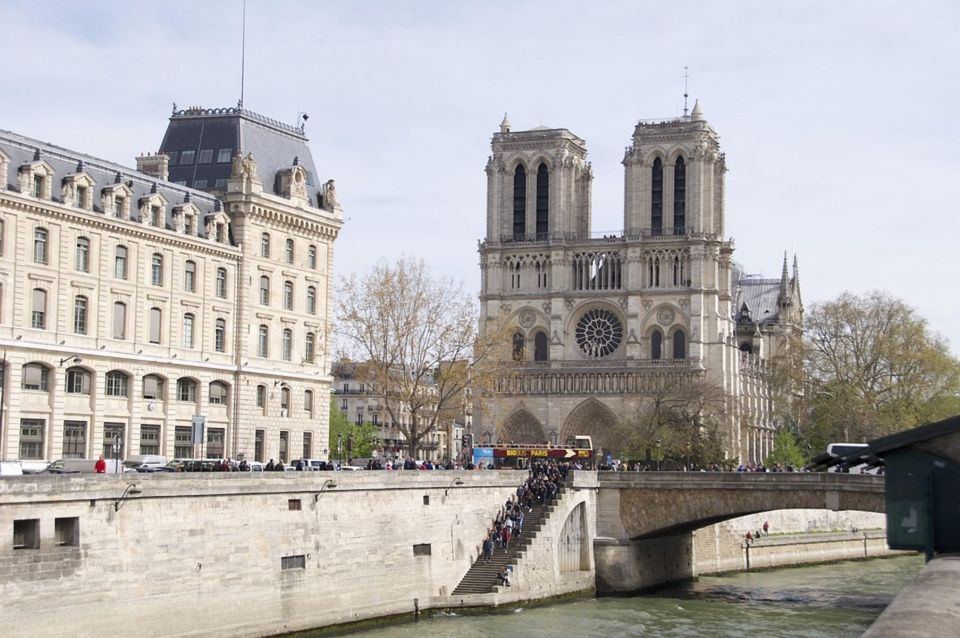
100 467
487 548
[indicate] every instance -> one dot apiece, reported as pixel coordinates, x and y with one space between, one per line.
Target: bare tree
416 342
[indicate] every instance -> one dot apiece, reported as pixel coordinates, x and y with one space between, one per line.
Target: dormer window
38 186
36 178
221 233
82 194
119 205
115 200
189 225
155 216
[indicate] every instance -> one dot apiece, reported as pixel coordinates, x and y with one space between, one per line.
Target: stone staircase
481 578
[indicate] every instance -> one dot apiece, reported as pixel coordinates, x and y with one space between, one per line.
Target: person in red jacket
100 467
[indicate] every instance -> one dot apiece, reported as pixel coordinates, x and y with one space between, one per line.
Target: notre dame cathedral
601 325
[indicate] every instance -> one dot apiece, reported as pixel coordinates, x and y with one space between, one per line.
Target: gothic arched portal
596 420
523 427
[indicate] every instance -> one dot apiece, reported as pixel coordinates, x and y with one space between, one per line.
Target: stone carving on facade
546 307
632 155
624 302
527 318
665 316
647 304
568 302
506 308
329 196
556 339
684 304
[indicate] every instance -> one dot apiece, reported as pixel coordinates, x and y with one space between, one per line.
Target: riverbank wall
929 607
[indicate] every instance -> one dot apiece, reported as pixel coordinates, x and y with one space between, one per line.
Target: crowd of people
541 486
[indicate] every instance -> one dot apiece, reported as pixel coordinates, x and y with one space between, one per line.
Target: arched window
679 345
220 335
518 347
311 300
263 341
222 283
190 276
656 345
120 263
519 203
287 344
540 350
187 390
679 197
80 315
656 198
543 199
156 321
288 251
308 402
156 270
264 290
265 245
312 257
153 387
288 295
218 393
117 383
747 347
188 324
40 245
35 377
284 401
38 314
82 262
78 381
119 320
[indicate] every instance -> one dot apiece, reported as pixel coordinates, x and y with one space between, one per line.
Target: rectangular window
149 439
308 402
80 315
293 562
155 218
183 442
155 318
74 439
220 184
215 443
258 446
113 443
284 439
199 183
119 320
423 549
294 504
67 531
81 196
31 438
186 157
38 317
224 155
307 445
37 186
26 533
173 157
206 156
151 387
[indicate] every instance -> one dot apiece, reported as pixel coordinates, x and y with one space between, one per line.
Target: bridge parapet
634 505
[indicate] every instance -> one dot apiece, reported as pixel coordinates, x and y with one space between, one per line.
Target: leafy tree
785 450
364 436
416 341
873 368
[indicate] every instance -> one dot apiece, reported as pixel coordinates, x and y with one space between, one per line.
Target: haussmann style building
601 324
196 289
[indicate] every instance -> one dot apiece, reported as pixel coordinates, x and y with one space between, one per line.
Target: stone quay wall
241 554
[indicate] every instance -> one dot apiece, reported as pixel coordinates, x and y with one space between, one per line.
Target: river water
820 601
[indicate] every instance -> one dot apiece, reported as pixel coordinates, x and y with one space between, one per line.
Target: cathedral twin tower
602 325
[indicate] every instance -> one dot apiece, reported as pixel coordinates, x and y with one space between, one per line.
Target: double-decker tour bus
578 449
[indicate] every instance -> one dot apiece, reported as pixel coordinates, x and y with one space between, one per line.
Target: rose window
599 333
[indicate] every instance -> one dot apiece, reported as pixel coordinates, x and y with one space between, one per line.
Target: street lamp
340 448
659 454
456 483
327 484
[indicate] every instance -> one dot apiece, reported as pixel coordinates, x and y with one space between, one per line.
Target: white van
145 462
10 468
84 466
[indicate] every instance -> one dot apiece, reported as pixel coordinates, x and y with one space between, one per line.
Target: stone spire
696 115
505 124
782 300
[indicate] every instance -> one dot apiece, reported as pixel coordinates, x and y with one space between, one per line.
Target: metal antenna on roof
686 76
243 52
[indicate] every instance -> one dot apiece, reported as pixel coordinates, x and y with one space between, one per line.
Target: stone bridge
645 519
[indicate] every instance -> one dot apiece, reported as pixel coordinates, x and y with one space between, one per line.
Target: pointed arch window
540 350
679 197
679 345
656 198
518 347
656 345
543 201
519 203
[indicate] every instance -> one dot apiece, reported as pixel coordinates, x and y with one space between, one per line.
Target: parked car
85 466
145 462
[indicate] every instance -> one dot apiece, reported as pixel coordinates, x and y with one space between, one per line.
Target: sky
838 119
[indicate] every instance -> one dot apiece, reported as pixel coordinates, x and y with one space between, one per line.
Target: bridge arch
573 546
594 419
522 427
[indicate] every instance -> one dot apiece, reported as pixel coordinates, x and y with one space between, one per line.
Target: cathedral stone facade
601 324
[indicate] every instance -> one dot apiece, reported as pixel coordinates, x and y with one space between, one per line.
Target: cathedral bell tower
674 173
538 185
